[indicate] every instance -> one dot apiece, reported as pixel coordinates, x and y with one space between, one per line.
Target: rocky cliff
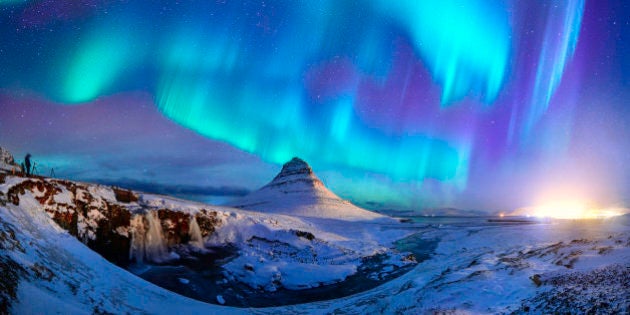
105 218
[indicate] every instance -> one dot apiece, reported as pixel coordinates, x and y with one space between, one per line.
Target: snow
65 197
297 191
487 270
43 302
281 249
9 182
82 281
280 258
479 269
103 192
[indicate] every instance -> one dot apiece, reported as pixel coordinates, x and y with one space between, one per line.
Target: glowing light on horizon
438 102
571 210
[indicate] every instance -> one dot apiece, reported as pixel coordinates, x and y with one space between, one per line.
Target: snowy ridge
296 190
274 251
50 272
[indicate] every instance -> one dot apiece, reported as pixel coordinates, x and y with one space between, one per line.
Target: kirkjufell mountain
296 190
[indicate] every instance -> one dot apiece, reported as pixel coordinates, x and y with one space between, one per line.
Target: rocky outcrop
124 195
599 291
176 224
101 217
294 172
6 157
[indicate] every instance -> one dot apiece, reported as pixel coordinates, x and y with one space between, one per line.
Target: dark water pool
201 277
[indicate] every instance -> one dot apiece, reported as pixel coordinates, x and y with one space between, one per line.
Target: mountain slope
296 190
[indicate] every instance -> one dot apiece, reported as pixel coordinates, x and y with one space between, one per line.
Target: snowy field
477 267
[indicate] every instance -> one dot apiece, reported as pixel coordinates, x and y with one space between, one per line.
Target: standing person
27 163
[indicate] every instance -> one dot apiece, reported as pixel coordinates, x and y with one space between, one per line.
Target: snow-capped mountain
296 190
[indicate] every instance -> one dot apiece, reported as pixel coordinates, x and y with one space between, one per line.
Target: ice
220 299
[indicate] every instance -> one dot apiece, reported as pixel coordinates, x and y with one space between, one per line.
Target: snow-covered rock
7 162
121 231
297 191
45 270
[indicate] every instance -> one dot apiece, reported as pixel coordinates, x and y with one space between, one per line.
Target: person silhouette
27 163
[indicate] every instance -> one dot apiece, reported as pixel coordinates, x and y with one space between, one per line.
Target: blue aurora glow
398 104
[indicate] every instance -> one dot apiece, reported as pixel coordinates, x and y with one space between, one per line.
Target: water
200 276
195 233
147 239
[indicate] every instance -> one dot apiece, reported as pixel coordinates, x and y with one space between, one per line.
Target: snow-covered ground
47 271
554 266
274 251
491 269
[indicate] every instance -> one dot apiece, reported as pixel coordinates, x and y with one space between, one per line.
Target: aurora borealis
396 104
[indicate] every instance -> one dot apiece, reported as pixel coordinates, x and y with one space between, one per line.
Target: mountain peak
294 167
296 190
296 162
295 175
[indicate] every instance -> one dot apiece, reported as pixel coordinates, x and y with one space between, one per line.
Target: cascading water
195 233
136 250
147 240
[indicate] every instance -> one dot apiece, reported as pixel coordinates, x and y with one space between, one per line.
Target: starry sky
477 104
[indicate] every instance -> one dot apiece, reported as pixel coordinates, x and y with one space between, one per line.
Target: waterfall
155 245
147 240
136 250
195 233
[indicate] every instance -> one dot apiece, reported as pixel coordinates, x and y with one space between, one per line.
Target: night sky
477 104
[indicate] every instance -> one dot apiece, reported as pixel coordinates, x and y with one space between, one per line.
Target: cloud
175 190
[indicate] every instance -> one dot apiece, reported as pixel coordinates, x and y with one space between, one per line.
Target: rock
307 235
91 214
249 267
6 157
124 195
536 279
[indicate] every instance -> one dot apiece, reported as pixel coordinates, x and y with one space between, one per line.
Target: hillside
48 226
297 191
